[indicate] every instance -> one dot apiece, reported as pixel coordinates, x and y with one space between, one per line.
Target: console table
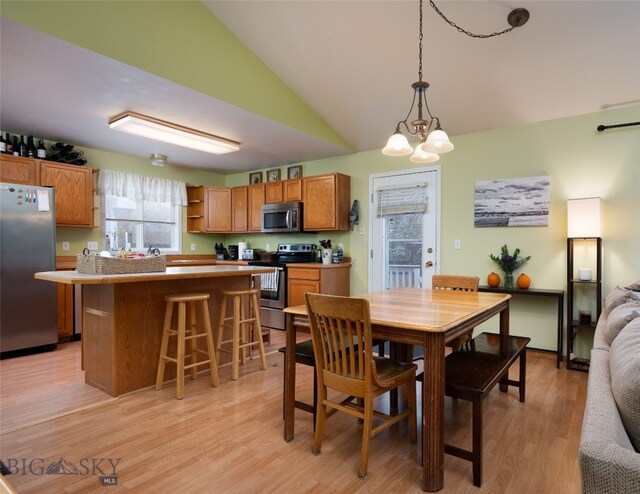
534 292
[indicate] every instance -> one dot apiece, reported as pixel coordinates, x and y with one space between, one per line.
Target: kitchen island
122 316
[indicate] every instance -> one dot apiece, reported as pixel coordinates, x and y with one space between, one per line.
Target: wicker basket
90 264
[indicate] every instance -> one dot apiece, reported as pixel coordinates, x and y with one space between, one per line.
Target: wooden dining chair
456 283
342 344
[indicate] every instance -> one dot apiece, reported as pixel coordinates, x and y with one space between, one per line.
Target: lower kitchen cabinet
329 279
64 304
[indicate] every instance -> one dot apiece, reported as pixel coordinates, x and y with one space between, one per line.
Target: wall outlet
193 247
92 245
363 230
267 247
456 244
65 246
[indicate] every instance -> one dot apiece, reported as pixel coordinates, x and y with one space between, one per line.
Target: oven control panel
296 248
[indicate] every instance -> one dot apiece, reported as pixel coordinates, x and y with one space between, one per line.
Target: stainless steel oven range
273 287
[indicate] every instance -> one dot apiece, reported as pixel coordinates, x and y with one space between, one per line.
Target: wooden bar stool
183 335
245 331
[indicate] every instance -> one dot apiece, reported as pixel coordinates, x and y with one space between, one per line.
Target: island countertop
172 273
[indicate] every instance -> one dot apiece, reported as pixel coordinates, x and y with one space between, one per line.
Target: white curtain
402 200
132 186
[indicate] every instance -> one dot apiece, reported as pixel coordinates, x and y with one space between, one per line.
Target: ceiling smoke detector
158 159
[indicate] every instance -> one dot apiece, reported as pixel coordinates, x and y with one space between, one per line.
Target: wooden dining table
415 316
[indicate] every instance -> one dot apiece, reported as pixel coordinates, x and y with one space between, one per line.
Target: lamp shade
423 156
438 142
583 218
397 145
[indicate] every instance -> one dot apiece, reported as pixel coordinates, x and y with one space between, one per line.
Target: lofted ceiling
352 62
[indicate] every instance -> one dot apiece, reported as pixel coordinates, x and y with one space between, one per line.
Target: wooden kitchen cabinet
64 299
292 190
17 170
195 208
256 198
326 202
217 206
239 209
273 192
74 192
329 279
283 191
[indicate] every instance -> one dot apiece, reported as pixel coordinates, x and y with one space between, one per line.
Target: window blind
402 200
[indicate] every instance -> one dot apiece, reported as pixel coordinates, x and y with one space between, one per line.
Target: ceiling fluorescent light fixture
433 140
159 130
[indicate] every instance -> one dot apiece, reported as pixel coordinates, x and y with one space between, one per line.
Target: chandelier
433 140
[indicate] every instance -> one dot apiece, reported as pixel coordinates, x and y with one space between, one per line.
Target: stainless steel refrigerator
27 246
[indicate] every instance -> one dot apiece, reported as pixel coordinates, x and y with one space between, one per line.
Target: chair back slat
341 335
455 282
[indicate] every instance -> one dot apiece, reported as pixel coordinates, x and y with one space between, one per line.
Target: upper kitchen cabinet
256 195
239 209
217 206
74 192
273 192
16 170
283 191
326 202
292 190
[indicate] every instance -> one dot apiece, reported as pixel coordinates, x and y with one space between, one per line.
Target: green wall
580 162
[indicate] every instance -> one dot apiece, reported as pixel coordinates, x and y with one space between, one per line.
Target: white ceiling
353 62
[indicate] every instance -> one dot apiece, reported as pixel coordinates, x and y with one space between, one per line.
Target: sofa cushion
624 363
619 296
619 318
635 286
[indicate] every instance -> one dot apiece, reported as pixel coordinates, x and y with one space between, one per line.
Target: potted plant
326 251
509 263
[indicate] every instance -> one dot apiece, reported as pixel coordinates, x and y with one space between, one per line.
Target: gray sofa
610 440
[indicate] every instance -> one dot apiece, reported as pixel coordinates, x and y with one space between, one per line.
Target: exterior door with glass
404 232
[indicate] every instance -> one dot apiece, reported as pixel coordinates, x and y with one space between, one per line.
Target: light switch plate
456 244
92 245
65 245
193 247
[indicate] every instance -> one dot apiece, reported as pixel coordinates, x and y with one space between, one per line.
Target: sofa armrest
608 462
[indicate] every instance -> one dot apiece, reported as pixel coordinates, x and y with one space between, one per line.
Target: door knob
428 264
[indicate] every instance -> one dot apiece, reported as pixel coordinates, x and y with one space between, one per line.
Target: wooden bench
471 374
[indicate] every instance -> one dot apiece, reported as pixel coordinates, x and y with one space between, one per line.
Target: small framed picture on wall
255 178
273 175
294 172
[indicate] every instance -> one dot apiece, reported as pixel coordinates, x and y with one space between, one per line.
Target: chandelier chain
464 31
420 46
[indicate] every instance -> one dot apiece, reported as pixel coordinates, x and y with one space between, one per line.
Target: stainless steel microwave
284 217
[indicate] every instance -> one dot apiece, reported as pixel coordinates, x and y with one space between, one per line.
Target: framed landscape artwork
255 178
512 202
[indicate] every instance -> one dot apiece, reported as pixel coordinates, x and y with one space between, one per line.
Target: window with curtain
140 212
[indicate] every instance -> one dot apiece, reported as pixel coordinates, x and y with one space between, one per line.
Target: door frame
437 243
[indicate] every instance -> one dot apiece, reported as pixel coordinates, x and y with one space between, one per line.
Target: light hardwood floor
229 439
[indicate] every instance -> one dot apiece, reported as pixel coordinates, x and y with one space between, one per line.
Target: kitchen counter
172 273
122 318
69 262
